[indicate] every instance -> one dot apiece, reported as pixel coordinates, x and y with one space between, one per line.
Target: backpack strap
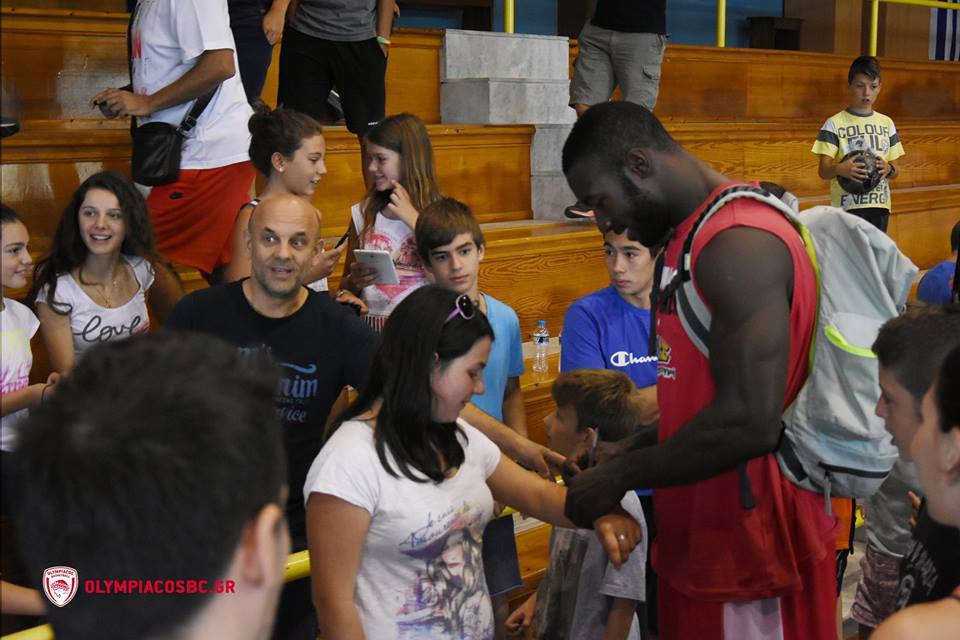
692 310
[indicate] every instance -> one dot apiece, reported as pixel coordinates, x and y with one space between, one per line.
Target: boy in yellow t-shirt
859 127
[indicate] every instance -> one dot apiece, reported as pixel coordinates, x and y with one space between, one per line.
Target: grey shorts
877 591
610 58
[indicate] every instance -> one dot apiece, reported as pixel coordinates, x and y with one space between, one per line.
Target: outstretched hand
535 456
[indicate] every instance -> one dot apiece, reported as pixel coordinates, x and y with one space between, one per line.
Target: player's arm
749 345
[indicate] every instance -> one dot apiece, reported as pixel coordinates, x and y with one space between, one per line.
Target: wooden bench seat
779 151
756 84
487 166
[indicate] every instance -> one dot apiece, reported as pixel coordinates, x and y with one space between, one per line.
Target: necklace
101 288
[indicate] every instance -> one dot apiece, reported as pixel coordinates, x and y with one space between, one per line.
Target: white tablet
381 261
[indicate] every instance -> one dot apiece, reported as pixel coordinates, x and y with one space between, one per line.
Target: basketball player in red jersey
741 552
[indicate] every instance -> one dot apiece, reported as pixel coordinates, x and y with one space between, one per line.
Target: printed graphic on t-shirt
664 358
297 388
17 359
846 132
919 574
96 330
448 595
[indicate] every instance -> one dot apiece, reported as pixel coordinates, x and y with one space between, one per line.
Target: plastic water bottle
541 342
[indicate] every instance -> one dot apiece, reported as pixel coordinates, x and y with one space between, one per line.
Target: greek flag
945 33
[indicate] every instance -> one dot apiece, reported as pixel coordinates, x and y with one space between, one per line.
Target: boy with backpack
856 185
582 595
451 247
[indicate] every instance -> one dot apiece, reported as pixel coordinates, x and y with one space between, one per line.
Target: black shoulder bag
157 146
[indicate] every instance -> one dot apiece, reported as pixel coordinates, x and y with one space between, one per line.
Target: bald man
319 346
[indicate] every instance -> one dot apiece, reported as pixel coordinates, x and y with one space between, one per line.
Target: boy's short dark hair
867 65
607 132
443 221
912 346
147 463
602 399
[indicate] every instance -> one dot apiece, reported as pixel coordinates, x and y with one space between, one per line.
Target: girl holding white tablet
402 183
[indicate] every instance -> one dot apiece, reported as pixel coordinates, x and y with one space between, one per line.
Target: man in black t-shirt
621 43
319 345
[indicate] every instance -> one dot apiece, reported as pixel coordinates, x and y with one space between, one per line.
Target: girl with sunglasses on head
94 284
402 184
399 495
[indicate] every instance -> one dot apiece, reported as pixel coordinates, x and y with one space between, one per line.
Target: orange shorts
193 218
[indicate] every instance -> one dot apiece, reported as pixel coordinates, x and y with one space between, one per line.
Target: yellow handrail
508 16
298 566
721 23
875 14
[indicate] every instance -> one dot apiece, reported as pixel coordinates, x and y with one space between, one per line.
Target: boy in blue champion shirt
451 247
582 595
610 329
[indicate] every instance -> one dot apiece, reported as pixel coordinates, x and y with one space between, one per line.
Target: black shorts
879 218
310 67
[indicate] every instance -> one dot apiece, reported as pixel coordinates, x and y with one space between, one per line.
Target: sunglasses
464 307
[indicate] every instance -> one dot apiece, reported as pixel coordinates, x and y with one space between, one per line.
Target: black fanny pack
157 146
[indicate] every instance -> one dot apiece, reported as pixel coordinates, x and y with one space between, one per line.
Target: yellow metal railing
508 16
721 23
298 566
875 14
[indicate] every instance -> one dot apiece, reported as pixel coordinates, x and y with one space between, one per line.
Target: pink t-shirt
17 326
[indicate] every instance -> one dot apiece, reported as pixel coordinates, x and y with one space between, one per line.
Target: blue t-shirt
603 331
506 357
936 286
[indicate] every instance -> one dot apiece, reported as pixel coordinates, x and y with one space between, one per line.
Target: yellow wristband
384 41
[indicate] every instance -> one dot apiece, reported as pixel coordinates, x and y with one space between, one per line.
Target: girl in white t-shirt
398 497
92 286
17 326
402 184
288 148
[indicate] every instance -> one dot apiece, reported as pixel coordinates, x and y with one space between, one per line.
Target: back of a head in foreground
912 346
147 463
602 398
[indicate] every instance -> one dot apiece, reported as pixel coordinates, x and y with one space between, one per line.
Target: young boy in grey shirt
582 595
